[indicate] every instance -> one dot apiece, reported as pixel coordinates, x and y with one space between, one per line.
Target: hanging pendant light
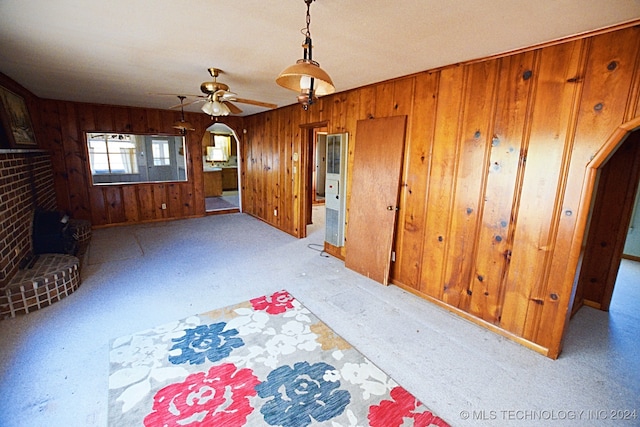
182 124
305 76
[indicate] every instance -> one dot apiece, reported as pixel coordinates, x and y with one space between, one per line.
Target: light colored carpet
54 367
117 245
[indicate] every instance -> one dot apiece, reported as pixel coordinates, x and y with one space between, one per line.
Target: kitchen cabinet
213 183
229 178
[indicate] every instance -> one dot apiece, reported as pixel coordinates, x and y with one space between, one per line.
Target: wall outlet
275 212
164 206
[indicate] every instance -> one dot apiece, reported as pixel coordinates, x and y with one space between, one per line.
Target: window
116 158
112 154
160 149
223 142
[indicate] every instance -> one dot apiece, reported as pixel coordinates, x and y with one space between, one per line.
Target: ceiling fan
217 98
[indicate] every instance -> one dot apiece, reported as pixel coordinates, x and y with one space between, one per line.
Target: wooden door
375 183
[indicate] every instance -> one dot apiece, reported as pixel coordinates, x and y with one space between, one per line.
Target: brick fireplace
26 182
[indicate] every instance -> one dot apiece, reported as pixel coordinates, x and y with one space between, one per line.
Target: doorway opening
222 180
615 188
314 157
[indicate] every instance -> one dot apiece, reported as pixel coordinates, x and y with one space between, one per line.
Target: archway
607 202
222 177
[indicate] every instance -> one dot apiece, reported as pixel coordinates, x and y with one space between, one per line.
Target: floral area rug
265 362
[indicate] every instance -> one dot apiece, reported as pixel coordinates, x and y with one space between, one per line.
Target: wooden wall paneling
277 141
168 118
262 146
494 240
99 213
248 182
245 158
115 204
275 171
139 120
367 107
338 119
76 162
411 221
286 191
635 94
146 202
195 205
131 203
258 147
268 182
319 110
273 175
475 136
122 119
293 137
174 200
51 139
103 117
384 99
441 182
160 198
287 200
551 121
607 78
154 121
403 95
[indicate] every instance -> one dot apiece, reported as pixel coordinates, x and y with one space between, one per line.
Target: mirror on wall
118 158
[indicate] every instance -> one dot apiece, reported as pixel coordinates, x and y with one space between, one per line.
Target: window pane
161 153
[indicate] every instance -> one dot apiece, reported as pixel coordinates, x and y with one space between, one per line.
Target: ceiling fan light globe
207 108
218 108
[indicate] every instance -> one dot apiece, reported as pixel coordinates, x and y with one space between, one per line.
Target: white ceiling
125 52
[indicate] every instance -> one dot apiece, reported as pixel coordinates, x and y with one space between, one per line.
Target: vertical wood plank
414 187
131 205
494 246
147 207
468 197
160 198
441 181
551 119
114 204
76 162
384 99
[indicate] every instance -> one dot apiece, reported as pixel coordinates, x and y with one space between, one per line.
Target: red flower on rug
277 303
404 405
219 397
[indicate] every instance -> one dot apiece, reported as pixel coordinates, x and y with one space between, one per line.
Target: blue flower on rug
210 341
302 394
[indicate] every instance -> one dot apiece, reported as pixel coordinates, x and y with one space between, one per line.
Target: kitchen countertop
218 168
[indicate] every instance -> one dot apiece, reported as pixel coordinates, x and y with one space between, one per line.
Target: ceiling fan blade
177 106
173 94
258 103
234 109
